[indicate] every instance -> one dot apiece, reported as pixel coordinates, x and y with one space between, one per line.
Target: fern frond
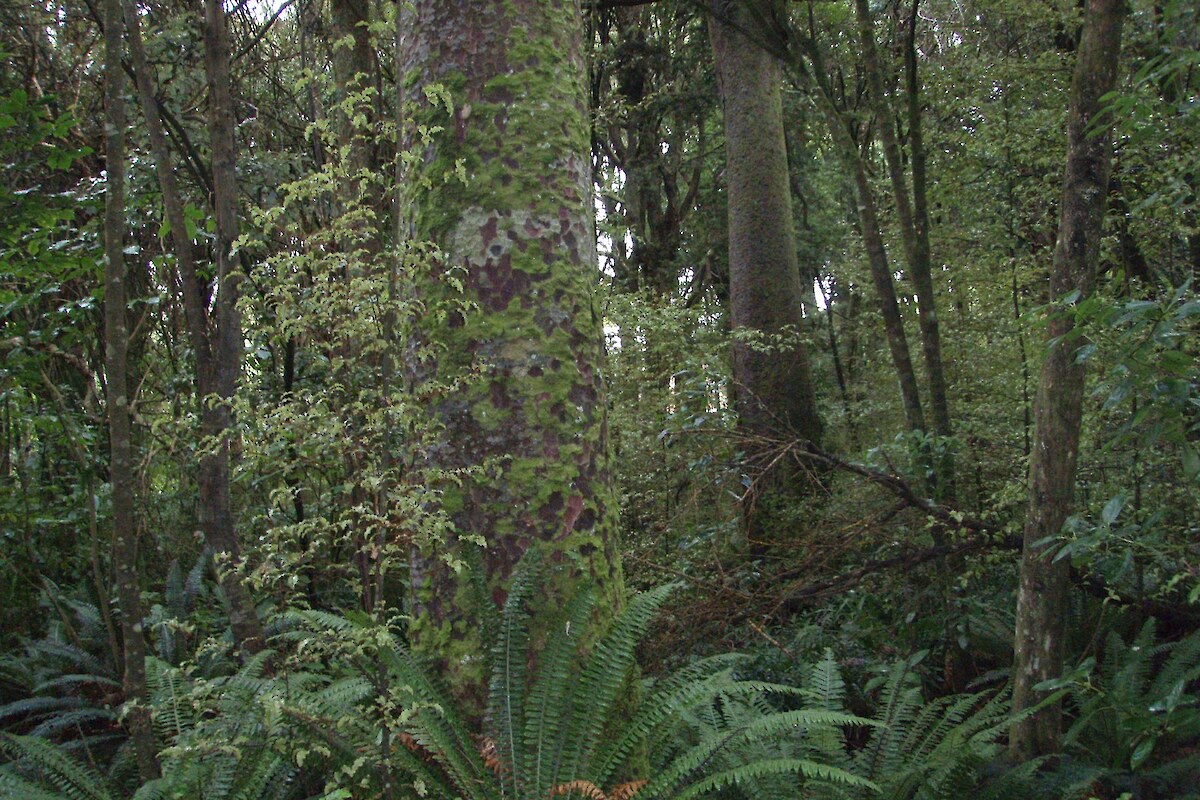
551 699
692 685
73 779
506 689
885 755
157 789
608 669
72 681
824 683
38 707
194 585
171 712
79 660
434 724
1181 666
70 720
755 770
15 787
758 729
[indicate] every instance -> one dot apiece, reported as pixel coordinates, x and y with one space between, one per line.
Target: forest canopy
604 399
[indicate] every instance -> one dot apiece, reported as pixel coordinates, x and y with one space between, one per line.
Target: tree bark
774 389
913 218
216 509
215 384
513 380
116 349
1058 407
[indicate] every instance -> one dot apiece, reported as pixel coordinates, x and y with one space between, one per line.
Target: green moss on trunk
502 186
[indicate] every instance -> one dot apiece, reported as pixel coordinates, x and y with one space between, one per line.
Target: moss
521 226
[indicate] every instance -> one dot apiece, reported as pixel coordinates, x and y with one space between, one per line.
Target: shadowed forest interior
616 399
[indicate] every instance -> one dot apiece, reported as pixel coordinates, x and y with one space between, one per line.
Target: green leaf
1142 752
1112 509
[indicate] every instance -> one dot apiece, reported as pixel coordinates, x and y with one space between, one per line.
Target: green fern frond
608 670
267 776
74 780
551 698
71 720
1181 667
784 723
824 683
79 660
194 585
171 711
900 702
38 707
505 711
691 686
434 724
73 681
157 789
755 770
15 787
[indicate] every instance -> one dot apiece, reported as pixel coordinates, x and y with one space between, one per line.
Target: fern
554 732
71 779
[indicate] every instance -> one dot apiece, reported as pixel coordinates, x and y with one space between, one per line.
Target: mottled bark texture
518 231
774 390
1058 408
116 349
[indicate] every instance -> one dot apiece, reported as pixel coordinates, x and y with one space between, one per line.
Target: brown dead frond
491 756
584 788
626 791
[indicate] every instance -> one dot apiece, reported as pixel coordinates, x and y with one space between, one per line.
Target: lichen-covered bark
774 387
1058 408
518 232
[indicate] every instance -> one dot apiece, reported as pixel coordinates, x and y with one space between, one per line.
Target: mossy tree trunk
514 381
774 390
1058 408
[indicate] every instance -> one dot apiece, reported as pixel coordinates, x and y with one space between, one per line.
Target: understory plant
1136 720
564 728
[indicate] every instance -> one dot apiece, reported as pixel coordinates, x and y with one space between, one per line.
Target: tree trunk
116 348
212 340
913 218
514 377
1058 407
774 390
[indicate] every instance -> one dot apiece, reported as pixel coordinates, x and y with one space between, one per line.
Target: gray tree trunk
774 390
913 218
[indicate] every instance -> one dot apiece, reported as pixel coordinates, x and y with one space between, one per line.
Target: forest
599 399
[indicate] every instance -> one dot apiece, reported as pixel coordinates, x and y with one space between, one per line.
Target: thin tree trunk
868 220
216 518
913 217
216 417
1058 408
116 347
